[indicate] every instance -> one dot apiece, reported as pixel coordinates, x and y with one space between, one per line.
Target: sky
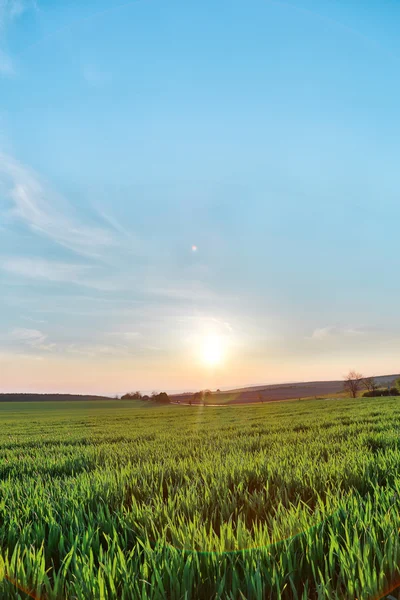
197 194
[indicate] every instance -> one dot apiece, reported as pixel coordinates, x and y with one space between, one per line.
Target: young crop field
112 499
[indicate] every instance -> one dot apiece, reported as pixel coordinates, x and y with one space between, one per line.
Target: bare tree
352 383
370 384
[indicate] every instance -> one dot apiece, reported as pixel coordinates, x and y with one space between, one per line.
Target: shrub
378 393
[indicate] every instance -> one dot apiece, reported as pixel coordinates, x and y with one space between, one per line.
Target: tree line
161 397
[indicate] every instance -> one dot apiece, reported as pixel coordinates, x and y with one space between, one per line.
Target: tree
132 396
370 384
162 397
352 383
202 396
198 396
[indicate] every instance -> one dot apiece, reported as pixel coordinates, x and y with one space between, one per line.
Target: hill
281 391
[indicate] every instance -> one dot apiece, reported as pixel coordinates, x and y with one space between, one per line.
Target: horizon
176 392
188 201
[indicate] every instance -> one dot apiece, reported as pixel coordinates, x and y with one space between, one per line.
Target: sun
212 350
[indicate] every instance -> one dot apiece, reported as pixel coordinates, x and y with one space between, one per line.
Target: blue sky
264 133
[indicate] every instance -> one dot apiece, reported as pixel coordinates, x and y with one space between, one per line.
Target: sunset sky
197 194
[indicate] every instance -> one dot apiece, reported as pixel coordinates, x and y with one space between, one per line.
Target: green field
129 500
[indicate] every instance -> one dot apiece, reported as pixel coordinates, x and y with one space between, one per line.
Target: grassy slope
284 500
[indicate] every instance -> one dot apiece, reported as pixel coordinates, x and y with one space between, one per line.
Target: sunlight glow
212 350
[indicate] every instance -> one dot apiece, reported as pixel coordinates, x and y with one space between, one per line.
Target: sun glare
212 351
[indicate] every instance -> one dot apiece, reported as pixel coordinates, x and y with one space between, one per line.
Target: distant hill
281 391
49 398
380 379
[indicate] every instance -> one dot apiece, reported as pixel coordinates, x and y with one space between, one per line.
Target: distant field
129 500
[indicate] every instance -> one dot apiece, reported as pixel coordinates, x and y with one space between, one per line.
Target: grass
115 499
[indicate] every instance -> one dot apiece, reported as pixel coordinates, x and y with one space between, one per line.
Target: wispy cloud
53 271
4 356
151 348
108 257
47 213
323 333
36 341
38 268
31 320
127 335
193 291
31 337
98 350
9 11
